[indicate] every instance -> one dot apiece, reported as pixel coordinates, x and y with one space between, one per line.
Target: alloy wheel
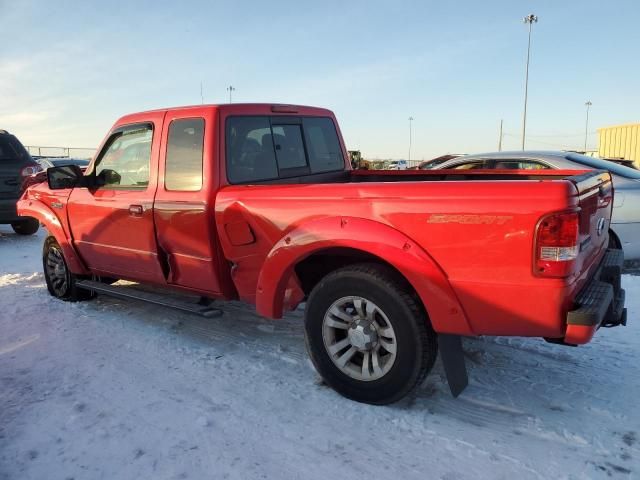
57 271
359 338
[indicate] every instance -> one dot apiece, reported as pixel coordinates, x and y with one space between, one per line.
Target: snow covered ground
110 389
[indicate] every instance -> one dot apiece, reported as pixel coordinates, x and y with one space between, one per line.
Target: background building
621 141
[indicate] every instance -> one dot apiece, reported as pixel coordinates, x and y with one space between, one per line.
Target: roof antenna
201 96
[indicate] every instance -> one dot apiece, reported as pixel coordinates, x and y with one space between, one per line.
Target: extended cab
258 202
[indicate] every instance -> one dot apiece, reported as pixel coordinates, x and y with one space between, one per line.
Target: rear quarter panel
480 234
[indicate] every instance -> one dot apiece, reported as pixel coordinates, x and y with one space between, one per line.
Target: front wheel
28 226
61 282
367 336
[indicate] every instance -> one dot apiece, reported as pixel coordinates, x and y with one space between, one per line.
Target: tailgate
595 193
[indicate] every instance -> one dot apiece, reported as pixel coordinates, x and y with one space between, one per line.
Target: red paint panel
184 220
369 236
107 236
579 334
485 249
239 233
36 202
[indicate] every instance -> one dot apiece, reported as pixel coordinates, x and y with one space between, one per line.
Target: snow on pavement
114 389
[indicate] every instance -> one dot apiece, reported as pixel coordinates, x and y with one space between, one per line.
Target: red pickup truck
258 202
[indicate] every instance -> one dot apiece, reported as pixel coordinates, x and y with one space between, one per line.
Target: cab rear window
260 148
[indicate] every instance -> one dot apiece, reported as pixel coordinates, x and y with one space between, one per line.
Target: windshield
600 164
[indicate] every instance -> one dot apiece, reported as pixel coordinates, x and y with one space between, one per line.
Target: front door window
124 164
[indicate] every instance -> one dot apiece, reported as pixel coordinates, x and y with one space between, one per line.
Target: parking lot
117 389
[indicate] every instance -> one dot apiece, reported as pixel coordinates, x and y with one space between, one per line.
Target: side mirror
68 176
108 177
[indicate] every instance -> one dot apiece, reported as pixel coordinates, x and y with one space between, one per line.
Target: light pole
410 135
586 124
529 19
230 89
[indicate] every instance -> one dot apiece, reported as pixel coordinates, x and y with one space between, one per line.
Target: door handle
135 210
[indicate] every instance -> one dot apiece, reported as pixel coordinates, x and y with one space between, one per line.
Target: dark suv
16 166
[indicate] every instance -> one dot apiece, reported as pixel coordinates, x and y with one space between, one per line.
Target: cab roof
244 107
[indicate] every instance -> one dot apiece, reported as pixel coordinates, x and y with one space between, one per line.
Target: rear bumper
600 303
8 211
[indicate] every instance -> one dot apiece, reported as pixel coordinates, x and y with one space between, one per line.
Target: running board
128 293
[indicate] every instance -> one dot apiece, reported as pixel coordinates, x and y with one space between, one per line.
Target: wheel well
614 241
316 266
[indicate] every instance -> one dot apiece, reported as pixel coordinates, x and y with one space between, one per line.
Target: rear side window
183 168
267 148
325 154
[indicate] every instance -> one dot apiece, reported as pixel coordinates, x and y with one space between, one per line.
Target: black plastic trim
601 301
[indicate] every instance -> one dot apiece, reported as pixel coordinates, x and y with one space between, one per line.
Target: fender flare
421 271
46 216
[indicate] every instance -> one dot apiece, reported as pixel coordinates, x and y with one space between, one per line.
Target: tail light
30 170
557 244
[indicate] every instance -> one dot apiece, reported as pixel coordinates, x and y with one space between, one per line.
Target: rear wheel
61 282
28 226
367 336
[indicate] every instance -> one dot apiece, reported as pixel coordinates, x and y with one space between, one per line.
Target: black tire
28 226
61 282
415 340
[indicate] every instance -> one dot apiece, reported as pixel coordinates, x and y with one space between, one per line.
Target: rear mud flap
450 347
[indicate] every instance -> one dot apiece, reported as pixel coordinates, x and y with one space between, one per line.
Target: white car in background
397 165
625 222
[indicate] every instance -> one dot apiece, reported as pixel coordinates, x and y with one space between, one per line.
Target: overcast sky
68 70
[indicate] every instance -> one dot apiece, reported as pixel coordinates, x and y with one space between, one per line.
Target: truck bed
458 175
478 226
362 176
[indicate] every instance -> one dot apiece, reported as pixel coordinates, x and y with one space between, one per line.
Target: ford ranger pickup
258 202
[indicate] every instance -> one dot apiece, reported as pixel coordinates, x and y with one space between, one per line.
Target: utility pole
529 19
410 138
230 89
500 137
586 124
